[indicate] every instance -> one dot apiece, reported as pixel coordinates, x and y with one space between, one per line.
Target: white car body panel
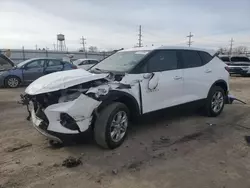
61 80
163 89
198 80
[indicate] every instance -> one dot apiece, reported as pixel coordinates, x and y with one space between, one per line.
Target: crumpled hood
61 80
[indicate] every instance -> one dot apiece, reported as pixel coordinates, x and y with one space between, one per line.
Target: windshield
19 65
240 59
122 61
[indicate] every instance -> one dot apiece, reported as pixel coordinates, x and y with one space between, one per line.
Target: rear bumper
238 71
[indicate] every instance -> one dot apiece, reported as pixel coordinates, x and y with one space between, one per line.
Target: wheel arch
123 97
221 83
9 76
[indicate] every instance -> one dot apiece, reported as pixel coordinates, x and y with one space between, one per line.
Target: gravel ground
180 149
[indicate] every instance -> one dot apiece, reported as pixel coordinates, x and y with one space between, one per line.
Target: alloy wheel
217 101
118 126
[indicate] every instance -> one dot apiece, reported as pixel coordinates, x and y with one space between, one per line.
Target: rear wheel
215 101
12 82
111 126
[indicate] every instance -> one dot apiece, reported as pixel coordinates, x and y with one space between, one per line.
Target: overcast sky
113 24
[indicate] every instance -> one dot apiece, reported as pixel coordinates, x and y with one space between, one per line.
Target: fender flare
217 82
115 95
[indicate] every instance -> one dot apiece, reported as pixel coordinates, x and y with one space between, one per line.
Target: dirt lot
157 153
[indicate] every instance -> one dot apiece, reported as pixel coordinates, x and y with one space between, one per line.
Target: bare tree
240 50
93 49
223 50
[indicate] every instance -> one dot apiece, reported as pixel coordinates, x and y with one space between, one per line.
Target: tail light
74 67
227 68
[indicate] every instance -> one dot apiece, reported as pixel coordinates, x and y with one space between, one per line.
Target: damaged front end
65 112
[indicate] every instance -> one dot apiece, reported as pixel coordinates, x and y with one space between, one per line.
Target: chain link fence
19 55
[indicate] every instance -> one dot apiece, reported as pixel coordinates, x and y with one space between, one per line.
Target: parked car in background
5 63
126 84
85 63
29 70
237 64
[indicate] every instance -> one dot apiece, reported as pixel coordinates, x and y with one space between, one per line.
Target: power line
139 39
189 39
231 45
83 43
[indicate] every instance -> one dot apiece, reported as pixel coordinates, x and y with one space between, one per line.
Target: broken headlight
69 97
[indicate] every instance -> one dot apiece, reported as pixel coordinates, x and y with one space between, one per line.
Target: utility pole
231 46
83 43
139 39
189 39
36 46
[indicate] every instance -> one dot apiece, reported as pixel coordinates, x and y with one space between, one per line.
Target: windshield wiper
100 70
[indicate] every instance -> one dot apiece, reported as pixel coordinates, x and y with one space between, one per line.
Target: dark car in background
237 64
29 70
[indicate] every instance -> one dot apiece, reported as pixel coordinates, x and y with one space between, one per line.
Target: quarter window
206 57
162 61
191 59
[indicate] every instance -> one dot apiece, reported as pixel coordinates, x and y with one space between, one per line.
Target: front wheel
111 125
215 101
12 82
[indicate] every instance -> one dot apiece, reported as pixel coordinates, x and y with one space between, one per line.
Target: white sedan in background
85 63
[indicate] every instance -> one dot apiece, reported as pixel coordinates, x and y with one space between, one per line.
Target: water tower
61 46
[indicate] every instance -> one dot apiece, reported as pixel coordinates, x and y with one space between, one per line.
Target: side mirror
148 75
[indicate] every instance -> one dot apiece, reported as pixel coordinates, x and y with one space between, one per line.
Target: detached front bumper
36 122
64 119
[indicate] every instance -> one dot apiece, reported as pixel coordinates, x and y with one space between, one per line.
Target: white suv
127 84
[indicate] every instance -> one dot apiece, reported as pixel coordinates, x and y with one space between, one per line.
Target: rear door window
190 59
54 62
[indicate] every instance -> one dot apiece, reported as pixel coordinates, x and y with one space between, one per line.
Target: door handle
208 71
177 77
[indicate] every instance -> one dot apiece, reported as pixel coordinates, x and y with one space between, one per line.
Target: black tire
209 110
102 127
12 82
